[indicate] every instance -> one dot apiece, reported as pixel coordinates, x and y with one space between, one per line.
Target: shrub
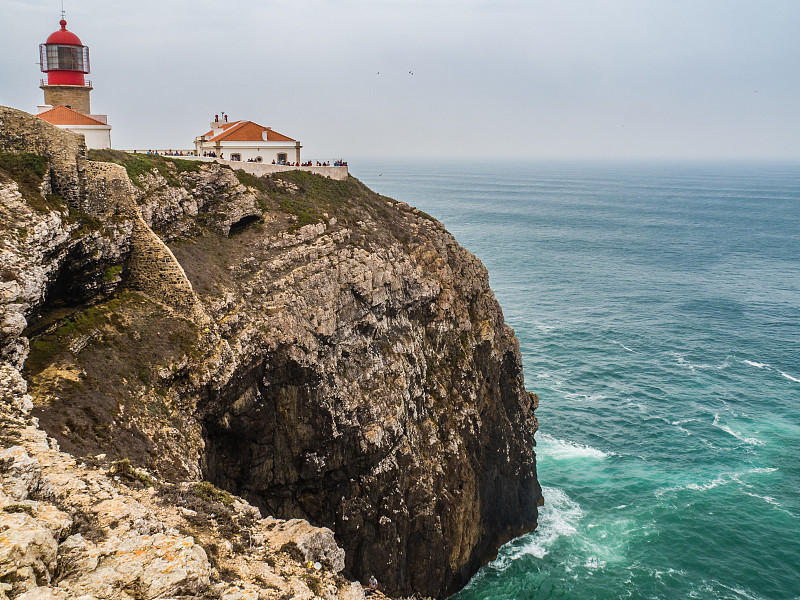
293 550
124 470
18 508
208 492
313 582
112 272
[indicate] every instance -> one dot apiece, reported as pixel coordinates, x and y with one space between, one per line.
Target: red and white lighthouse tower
65 61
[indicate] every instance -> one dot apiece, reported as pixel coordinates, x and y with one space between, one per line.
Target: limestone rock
24 472
155 566
27 551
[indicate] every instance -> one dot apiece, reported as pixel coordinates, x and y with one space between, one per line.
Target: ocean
658 311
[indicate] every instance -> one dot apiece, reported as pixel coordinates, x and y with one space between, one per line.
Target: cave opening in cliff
242 224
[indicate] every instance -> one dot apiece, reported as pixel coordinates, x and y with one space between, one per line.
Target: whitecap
588 397
543 327
737 434
767 499
547 445
790 377
701 487
758 365
623 345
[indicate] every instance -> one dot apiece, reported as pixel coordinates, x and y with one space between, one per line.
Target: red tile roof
61 115
222 126
247 131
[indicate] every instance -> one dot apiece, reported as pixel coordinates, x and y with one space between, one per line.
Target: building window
236 157
259 159
281 157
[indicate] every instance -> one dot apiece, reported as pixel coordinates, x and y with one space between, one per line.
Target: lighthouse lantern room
65 61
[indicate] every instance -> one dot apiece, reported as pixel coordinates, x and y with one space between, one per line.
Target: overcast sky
499 78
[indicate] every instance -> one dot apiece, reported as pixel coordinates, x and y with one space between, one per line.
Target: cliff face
324 352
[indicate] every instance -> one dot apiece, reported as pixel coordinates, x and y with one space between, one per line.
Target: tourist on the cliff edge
373 586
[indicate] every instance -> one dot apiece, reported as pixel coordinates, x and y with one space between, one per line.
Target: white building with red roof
94 128
249 142
65 60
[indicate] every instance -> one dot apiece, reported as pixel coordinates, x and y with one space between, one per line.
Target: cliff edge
316 349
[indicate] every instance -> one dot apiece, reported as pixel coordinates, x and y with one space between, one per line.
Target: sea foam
551 447
721 479
558 517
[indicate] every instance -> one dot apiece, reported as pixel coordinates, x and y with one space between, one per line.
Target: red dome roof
62 36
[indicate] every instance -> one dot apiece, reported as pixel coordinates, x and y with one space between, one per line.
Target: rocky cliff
321 351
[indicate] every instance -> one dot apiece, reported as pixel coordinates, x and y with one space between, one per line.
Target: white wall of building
97 136
268 151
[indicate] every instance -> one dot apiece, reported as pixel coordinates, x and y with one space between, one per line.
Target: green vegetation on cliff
138 164
28 171
88 366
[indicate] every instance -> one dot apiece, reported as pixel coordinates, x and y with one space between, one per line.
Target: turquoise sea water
658 312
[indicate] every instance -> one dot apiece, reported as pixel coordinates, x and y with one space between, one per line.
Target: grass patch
28 171
309 197
250 180
101 357
46 348
315 195
138 164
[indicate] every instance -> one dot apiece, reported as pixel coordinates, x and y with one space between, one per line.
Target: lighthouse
65 62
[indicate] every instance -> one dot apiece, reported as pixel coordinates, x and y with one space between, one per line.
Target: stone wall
21 132
72 96
259 169
108 190
153 269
